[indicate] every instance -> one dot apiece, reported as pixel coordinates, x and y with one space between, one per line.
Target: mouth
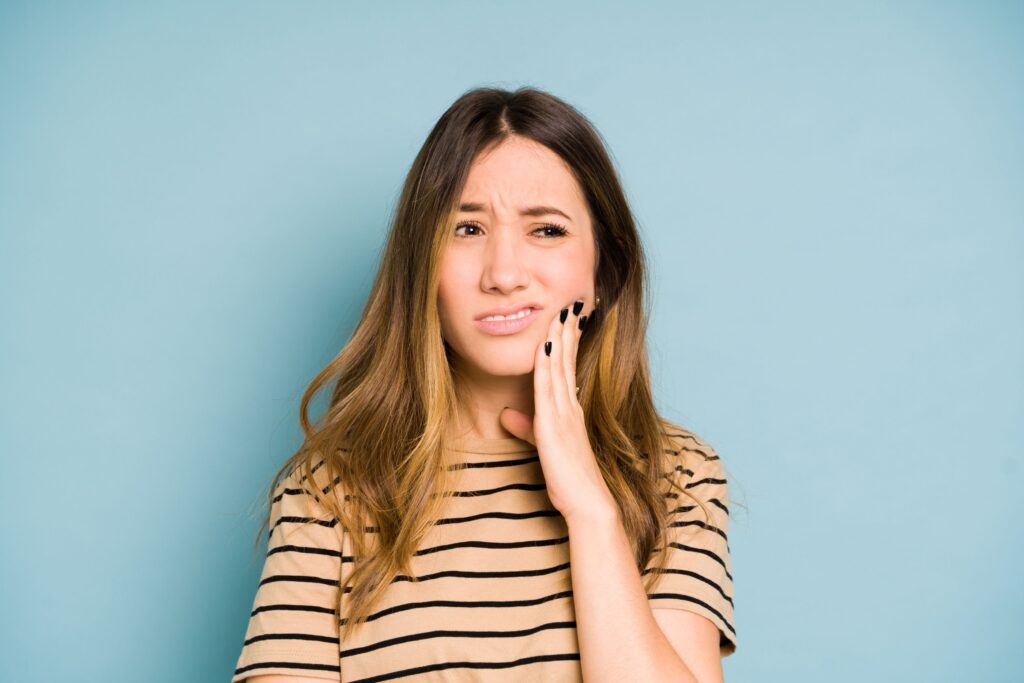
511 324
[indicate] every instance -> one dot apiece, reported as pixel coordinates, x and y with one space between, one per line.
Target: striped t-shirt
494 601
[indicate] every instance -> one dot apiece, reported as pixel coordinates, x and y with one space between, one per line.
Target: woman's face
504 256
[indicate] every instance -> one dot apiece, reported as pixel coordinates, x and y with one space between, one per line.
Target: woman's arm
619 637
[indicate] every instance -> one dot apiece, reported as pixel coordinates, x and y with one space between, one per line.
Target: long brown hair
376 454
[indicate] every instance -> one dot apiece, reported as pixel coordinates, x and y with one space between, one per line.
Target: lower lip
502 327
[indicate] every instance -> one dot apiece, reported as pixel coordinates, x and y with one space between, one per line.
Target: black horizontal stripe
687 572
303 549
687 435
466 574
547 512
720 504
495 545
507 487
690 598
464 604
669 451
330 524
715 501
315 468
298 578
705 480
455 634
309 637
300 666
706 457
703 525
304 491
494 463
678 468
702 551
468 665
292 608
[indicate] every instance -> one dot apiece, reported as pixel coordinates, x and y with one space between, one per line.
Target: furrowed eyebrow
472 207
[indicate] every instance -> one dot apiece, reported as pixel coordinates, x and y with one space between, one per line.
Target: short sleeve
292 627
698 569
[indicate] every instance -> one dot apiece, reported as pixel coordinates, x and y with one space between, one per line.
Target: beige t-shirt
495 598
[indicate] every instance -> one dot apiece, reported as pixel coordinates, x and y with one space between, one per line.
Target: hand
558 428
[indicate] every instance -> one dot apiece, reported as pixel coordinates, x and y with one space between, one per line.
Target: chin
510 365
508 369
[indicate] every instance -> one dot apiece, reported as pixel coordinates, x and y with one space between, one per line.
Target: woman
526 514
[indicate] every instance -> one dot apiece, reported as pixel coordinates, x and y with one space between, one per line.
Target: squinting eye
559 231
465 225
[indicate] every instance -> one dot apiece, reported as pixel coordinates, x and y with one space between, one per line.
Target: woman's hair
379 447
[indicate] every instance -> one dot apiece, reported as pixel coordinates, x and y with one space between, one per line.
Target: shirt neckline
494 446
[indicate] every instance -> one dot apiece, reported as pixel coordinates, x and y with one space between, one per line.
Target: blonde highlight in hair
375 459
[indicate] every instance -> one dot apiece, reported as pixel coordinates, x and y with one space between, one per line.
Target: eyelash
560 230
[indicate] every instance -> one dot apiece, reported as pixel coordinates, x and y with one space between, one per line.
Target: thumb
518 423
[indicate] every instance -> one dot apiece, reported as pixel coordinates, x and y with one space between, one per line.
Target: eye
465 224
559 231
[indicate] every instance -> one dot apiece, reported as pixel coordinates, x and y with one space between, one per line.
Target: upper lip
508 310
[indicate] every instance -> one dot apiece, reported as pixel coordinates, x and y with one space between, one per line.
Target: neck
482 398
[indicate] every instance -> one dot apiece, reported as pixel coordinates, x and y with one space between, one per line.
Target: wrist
602 511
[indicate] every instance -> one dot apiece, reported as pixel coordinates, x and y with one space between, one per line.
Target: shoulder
691 462
309 491
687 448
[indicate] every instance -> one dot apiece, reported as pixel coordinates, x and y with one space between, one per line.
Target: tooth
522 314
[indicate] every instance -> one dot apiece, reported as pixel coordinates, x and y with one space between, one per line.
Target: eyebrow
472 207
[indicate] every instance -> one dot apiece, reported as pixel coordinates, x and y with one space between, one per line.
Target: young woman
490 494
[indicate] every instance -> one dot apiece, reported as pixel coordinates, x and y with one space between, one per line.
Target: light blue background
193 198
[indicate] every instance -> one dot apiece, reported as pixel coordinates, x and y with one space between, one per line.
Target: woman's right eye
465 224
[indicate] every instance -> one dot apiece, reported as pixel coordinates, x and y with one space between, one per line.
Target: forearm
619 639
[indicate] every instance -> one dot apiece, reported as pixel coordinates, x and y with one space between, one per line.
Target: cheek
448 299
566 276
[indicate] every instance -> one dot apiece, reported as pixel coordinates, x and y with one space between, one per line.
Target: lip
509 310
503 327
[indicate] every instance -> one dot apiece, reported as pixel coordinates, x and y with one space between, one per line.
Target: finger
541 383
556 364
571 336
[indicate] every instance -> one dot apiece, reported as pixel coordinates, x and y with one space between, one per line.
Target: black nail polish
547 348
583 322
563 315
577 307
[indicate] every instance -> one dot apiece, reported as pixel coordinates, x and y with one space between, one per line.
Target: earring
597 300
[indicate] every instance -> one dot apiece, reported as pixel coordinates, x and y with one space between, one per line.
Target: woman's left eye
559 231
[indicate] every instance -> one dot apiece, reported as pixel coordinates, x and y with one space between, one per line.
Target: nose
504 267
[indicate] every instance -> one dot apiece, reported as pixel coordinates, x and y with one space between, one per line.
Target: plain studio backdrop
193 199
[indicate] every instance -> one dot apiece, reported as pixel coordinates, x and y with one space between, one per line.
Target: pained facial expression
499 258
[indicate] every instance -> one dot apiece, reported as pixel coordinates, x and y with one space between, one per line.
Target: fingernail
563 315
577 307
547 348
583 322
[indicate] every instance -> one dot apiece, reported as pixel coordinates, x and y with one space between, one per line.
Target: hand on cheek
558 428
